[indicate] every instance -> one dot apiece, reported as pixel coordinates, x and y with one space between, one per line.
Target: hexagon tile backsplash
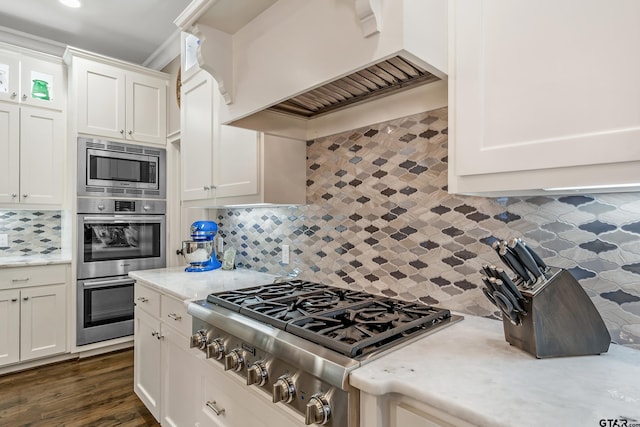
379 219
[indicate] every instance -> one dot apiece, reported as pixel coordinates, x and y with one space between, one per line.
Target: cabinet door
146 361
9 76
196 134
146 109
42 155
9 327
534 90
179 367
9 153
42 83
101 98
43 325
237 162
242 405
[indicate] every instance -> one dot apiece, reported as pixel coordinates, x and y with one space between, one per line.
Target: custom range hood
307 68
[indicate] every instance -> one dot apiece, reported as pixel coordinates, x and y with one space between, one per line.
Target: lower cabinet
226 401
33 316
164 368
395 410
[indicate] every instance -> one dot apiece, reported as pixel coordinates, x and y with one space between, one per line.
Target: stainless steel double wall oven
116 235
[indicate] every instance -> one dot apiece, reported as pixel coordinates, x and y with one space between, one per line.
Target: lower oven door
105 309
113 245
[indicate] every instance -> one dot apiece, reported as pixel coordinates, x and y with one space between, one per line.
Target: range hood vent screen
383 78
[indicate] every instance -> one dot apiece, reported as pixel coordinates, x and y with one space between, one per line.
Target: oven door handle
105 283
121 218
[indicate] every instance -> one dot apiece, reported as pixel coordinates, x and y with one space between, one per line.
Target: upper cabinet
224 165
32 128
33 79
543 96
117 100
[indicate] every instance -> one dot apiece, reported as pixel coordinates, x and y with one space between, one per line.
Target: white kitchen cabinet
225 165
224 400
117 100
394 410
32 144
164 368
9 327
543 96
146 366
33 311
31 78
196 136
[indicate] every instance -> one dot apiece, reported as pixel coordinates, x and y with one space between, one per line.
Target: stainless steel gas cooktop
298 341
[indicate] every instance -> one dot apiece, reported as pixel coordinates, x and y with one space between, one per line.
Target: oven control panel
318 402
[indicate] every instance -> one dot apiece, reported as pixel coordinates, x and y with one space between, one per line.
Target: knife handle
525 257
502 289
515 265
510 285
543 266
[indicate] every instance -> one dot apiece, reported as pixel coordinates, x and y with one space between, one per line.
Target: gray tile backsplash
379 219
31 232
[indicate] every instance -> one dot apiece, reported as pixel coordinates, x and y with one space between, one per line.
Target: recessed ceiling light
71 3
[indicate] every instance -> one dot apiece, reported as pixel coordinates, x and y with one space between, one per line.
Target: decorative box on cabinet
117 100
33 302
532 106
225 165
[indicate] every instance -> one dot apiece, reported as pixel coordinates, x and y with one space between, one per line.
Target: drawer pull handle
20 280
174 316
143 299
212 405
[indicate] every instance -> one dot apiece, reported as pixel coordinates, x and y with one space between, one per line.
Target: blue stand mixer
200 252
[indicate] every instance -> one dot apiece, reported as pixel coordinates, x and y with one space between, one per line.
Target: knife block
561 320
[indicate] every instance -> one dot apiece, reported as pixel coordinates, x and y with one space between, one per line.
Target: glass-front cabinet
30 80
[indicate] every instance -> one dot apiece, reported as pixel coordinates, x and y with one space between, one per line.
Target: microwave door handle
105 283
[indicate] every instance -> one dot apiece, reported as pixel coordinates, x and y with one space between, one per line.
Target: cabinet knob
213 187
13 95
24 196
24 96
130 132
14 299
14 195
26 298
122 131
205 188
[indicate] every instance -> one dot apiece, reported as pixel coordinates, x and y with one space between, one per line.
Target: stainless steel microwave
107 168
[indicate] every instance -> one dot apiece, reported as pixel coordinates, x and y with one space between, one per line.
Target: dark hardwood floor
96 391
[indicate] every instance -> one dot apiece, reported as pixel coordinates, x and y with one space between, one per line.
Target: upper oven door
113 245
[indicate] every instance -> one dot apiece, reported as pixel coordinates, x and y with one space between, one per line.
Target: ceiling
131 30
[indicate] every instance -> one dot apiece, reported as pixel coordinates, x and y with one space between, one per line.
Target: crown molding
30 41
165 53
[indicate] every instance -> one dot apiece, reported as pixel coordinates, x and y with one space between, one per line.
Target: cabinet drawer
147 299
21 277
174 313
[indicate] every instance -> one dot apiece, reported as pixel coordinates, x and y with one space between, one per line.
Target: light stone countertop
33 260
197 285
469 371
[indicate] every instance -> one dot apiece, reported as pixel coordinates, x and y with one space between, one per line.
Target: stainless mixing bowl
197 252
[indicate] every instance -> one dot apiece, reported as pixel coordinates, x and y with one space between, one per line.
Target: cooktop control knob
215 349
283 389
257 374
318 410
234 361
199 339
